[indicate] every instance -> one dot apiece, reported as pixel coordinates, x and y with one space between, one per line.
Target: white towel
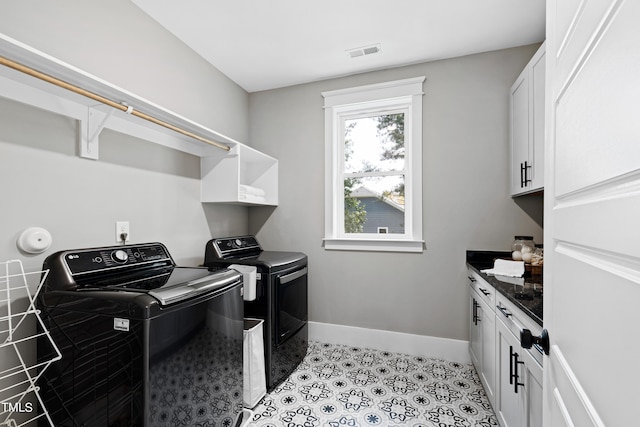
513 280
253 191
503 267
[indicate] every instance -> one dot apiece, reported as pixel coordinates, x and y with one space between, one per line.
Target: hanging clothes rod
125 108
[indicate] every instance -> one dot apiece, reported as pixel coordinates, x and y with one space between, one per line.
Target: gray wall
465 203
115 40
156 189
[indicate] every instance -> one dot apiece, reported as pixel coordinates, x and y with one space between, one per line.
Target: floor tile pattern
338 386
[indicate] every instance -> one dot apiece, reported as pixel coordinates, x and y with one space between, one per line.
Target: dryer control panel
235 246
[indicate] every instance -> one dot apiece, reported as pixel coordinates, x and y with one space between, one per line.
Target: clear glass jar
538 256
522 248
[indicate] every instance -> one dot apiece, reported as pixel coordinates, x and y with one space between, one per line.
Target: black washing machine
281 299
144 342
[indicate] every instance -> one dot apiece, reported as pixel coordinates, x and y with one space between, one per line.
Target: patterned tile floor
338 385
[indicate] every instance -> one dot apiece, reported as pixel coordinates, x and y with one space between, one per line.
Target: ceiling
266 44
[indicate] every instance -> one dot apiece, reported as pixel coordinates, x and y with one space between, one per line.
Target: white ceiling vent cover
365 50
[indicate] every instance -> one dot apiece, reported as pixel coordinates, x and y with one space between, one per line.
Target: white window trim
408 93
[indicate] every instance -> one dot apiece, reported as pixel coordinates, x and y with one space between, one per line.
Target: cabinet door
509 404
487 324
533 392
527 123
517 404
519 124
537 113
475 334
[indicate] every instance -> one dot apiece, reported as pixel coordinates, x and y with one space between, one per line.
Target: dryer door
291 303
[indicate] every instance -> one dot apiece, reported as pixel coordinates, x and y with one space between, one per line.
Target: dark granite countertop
527 297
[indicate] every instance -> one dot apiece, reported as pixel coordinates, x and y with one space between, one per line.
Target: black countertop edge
481 260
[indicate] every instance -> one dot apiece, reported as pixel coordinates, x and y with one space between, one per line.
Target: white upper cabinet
526 104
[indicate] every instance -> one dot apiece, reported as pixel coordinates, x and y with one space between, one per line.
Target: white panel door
592 213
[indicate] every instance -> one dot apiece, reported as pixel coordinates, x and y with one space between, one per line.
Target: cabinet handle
526 173
504 311
511 364
513 369
473 279
521 175
476 319
485 292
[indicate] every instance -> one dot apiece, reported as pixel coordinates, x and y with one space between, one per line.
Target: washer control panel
91 260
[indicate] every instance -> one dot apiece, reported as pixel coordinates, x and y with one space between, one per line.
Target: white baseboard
415 345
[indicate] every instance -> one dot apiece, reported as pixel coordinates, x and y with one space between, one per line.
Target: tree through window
374 162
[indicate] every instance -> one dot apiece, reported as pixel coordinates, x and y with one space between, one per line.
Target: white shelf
223 172
224 175
33 91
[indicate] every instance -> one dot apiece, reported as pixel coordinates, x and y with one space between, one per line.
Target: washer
281 299
144 342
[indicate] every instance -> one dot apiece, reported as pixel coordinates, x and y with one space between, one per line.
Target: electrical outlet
122 230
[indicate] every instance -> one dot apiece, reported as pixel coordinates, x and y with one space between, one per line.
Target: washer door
195 365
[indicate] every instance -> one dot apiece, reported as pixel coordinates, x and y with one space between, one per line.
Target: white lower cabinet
510 375
518 400
482 343
482 333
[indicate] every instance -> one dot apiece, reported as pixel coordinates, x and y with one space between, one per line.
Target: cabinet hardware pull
511 364
513 370
475 313
521 175
473 279
484 291
526 173
504 311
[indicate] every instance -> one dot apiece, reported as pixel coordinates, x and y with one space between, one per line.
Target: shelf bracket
89 142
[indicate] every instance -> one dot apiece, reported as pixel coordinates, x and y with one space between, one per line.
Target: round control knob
238 242
119 256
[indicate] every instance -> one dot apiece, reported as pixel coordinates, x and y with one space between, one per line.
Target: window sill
386 245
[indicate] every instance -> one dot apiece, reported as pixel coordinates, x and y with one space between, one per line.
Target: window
373 142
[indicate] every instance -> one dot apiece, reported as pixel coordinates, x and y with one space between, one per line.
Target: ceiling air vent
365 50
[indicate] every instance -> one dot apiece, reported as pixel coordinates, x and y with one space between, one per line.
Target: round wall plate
35 240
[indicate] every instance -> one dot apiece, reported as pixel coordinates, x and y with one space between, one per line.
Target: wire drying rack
21 327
